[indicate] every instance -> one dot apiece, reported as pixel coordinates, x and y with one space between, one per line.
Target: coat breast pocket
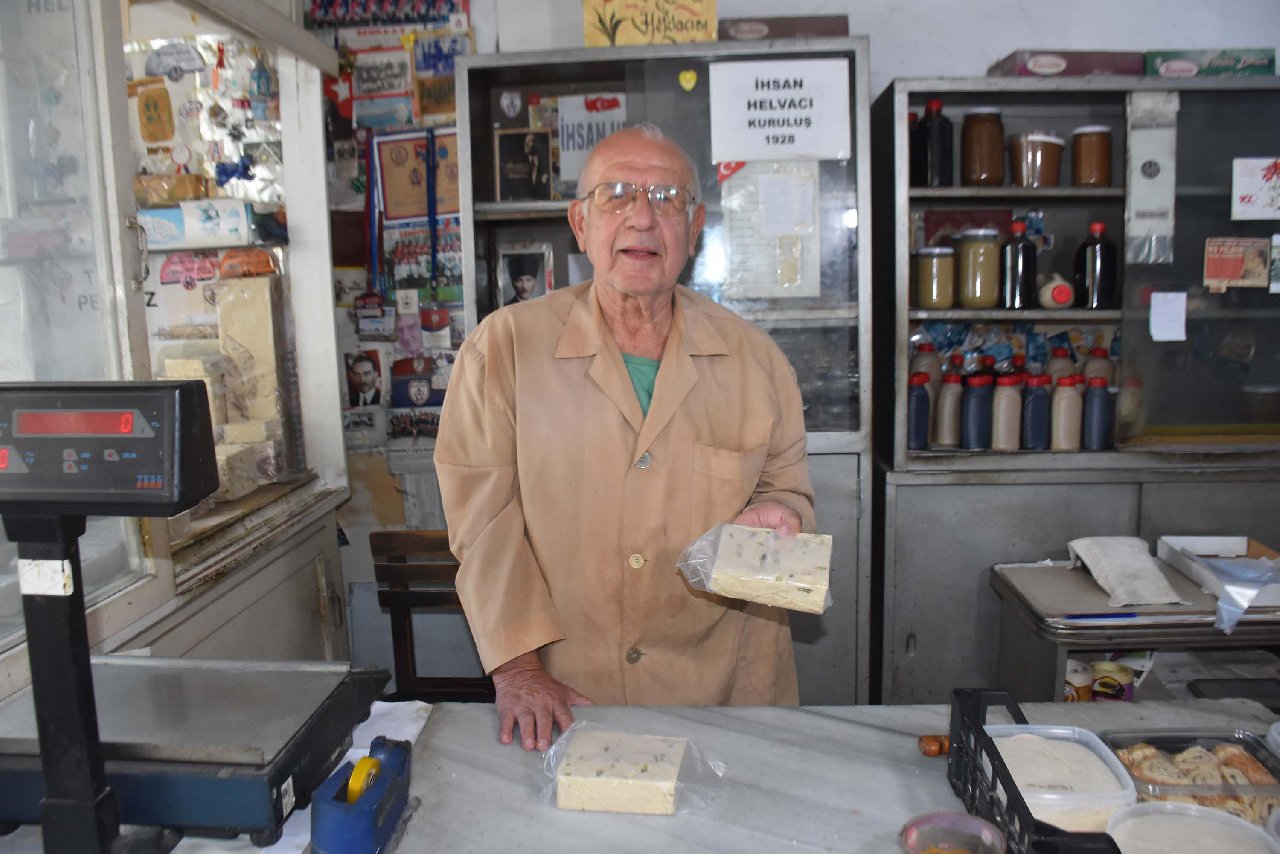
723 481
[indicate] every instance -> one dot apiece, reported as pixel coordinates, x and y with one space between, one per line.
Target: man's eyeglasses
617 197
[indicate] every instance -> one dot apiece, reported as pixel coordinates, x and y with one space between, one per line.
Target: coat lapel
585 334
691 335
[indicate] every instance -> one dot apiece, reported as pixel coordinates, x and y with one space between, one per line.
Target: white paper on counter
1168 321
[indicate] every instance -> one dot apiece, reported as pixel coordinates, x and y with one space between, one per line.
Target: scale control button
68 454
70 468
111 455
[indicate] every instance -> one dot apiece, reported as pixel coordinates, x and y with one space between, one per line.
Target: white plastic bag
761 565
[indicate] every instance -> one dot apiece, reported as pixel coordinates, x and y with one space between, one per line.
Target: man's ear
578 222
695 228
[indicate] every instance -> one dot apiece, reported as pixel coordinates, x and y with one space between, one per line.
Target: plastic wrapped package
237 471
597 769
761 565
157 191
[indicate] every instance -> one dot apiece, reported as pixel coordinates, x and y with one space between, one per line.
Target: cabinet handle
144 256
911 643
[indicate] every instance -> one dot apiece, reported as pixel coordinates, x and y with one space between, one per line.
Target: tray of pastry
1228 770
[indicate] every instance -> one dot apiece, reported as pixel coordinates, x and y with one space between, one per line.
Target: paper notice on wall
1255 188
780 110
584 121
1236 262
771 251
1168 320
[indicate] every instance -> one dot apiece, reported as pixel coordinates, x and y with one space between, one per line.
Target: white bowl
1202 829
1273 738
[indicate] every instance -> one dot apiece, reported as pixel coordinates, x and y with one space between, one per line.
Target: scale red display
4 458
71 422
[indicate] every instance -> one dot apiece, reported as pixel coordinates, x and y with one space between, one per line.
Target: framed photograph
524 271
364 378
522 159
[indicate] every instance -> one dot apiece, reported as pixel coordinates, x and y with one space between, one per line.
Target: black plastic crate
980 779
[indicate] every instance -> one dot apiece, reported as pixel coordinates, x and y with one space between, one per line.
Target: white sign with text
780 110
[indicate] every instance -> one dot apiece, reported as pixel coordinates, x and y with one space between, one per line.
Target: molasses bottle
1097 282
931 148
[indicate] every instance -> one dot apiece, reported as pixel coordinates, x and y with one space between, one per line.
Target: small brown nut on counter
934 745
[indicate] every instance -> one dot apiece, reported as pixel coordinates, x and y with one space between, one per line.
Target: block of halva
606 771
759 565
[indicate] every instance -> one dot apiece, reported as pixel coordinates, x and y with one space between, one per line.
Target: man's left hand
771 514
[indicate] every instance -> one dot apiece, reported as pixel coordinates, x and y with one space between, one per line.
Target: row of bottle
1009 413
994 275
1035 158
1057 410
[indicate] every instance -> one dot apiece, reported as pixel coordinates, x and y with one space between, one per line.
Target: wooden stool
416 572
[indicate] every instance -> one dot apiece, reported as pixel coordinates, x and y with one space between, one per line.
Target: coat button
643 462
636 561
633 655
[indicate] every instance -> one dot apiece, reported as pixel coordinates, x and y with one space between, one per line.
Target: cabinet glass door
1219 387
58 304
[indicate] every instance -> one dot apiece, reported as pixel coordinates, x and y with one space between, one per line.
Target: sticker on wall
688 79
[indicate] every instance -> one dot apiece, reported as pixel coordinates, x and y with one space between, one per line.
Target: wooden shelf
1012 315
1051 194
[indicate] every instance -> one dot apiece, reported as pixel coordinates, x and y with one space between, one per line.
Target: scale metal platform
212 746
207 747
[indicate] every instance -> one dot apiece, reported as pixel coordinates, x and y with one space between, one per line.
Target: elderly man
589 436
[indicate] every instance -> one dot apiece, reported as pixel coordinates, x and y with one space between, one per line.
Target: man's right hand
528 697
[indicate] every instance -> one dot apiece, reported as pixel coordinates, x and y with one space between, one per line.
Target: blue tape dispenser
357 809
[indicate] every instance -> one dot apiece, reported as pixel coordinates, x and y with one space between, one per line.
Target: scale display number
70 422
4 458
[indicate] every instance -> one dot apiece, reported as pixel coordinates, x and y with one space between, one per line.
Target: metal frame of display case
944 518
834 651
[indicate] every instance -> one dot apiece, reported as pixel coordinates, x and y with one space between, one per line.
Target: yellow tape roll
362 777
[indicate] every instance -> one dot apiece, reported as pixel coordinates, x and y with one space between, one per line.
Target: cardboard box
1233 62
251 338
1067 63
1184 553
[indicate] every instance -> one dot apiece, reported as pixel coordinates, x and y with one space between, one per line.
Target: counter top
819 778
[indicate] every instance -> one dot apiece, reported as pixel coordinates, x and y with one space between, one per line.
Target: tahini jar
982 148
935 277
1091 156
979 278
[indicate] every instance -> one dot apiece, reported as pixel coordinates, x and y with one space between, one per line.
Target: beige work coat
568 508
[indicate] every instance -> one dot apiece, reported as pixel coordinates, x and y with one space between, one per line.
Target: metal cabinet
1199 420
825 332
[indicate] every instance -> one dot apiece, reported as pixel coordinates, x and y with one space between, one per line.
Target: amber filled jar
979 276
935 277
1035 159
1091 156
982 148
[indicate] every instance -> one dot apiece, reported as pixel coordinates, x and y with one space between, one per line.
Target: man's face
366 377
528 144
524 286
638 252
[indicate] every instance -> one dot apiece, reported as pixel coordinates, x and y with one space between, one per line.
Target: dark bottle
1035 413
1018 268
1097 270
918 400
975 412
931 148
1099 416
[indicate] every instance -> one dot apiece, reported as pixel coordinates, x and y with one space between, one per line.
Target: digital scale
205 746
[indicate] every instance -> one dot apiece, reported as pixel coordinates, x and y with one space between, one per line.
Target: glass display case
80 286
784 243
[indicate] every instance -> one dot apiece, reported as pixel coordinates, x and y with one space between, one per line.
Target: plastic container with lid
926 359
918 411
1035 159
975 412
947 421
951 831
1136 750
1181 828
1056 293
1067 410
982 148
1050 797
1091 156
1099 364
978 279
935 277
1036 399
1006 414
1060 364
1098 430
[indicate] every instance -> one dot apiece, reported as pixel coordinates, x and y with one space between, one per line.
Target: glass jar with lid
935 277
982 148
1091 156
978 281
